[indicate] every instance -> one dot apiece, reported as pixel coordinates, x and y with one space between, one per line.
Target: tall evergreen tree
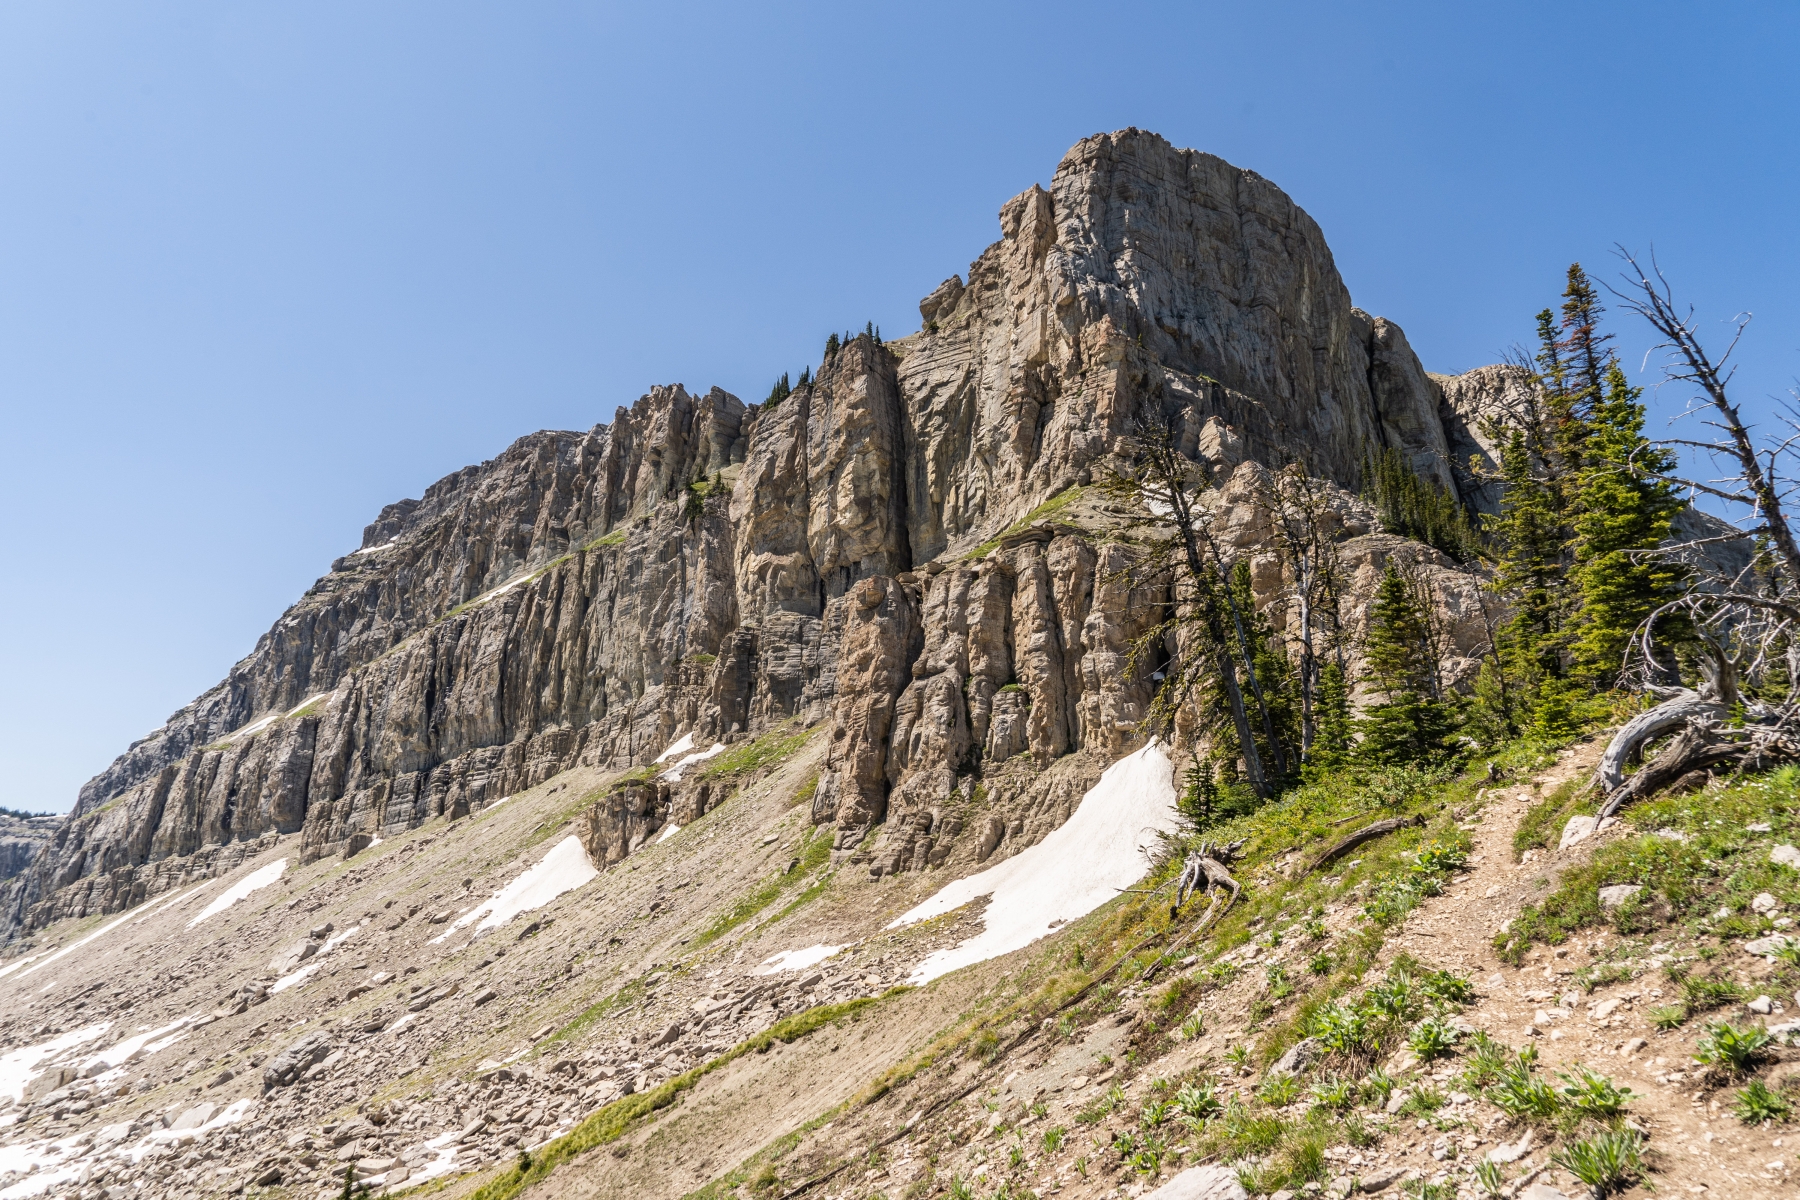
1413 722
1277 732
1334 728
1620 508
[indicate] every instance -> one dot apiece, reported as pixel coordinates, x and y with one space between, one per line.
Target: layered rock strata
699 565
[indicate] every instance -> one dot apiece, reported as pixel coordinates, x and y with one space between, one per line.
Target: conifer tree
1413 723
1334 728
1530 574
1620 508
781 391
1278 746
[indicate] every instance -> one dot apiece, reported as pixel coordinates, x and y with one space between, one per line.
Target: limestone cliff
699 565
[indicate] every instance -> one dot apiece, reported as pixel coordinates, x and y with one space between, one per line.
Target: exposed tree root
1367 833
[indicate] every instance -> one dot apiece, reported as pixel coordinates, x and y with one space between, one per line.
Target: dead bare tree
1299 506
1162 488
1741 612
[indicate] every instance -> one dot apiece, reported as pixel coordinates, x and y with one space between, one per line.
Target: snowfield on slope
1098 852
260 878
565 868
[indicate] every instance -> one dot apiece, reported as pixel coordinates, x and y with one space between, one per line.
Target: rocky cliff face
702 566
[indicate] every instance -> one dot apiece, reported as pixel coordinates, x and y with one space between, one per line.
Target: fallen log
1687 708
1693 749
1367 833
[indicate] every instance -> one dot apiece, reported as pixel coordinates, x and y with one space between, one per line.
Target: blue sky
266 268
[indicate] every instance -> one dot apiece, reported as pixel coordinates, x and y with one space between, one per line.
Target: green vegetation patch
1695 857
815 850
615 538
775 746
616 1119
1044 511
1543 823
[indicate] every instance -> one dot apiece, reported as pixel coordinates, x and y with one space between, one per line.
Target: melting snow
673 774
681 746
146 1041
237 1111
262 877
794 960
296 978
668 832
444 1146
20 1067
9 968
138 913
566 866
1097 853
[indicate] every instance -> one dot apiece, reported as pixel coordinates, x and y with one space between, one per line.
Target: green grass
773 747
586 1019
1047 509
814 852
1720 864
613 1121
615 538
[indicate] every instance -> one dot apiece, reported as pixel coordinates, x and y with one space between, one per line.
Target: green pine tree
1530 575
1413 723
1619 509
1334 727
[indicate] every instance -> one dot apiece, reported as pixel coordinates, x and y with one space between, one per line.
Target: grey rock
1201 1183
699 564
1618 893
194 1117
1301 1055
299 1057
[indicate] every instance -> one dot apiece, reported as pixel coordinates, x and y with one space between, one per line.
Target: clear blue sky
268 267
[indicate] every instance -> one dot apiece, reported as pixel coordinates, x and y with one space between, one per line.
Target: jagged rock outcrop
702 565
21 837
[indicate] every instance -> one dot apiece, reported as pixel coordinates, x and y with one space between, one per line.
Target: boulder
1201 1183
296 1060
1618 893
1787 856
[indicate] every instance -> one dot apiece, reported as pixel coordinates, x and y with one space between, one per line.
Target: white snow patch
506 587
444 1146
45 1164
1097 853
19 1067
668 832
495 804
680 746
387 545
144 914
374 842
262 877
673 774
136 914
795 960
567 866
236 1111
402 1023
138 1044
296 978
9 968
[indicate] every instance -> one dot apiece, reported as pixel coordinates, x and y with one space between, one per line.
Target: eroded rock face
702 566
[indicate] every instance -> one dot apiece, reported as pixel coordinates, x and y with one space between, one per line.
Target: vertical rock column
881 639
